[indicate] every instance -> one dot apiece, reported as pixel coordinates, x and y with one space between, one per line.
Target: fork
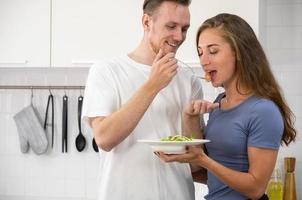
185 64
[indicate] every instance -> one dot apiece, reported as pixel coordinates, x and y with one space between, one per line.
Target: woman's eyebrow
209 45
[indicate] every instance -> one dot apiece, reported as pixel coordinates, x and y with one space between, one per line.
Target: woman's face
216 57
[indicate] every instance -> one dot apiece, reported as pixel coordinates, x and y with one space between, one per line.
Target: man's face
168 27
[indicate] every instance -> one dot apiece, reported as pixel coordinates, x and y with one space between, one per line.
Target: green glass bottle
275 186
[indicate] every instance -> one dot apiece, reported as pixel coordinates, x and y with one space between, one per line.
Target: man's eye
171 26
184 30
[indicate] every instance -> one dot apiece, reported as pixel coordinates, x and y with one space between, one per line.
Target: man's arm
109 131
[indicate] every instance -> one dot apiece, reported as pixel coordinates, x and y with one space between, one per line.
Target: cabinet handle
13 62
82 62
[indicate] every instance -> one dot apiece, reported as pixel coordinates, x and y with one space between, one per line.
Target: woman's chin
215 84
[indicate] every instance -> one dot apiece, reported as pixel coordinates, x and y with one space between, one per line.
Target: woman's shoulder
263 105
265 110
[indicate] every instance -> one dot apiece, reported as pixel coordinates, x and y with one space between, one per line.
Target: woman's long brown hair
252 66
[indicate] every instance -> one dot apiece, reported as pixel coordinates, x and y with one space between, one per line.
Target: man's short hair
150 6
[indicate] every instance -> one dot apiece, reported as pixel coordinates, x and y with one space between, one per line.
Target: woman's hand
193 155
198 107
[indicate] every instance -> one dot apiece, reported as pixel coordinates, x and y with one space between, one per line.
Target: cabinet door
87 30
204 9
24 33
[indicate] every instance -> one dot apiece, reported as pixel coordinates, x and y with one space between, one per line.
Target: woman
252 119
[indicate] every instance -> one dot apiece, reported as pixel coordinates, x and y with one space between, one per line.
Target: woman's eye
213 51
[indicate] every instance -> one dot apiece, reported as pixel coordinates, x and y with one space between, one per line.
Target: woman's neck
233 97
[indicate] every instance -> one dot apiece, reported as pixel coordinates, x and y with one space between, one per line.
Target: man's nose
179 35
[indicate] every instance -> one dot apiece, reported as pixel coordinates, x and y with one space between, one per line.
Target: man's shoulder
107 62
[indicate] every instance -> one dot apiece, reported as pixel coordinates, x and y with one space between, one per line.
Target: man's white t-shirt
131 171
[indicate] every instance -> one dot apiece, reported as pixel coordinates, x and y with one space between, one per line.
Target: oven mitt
30 130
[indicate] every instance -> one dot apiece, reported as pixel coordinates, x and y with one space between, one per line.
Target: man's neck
143 54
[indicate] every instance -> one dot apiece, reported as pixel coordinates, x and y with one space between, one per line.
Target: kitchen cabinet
24 33
71 33
203 9
87 30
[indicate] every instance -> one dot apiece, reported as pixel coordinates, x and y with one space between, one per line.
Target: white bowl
169 149
172 147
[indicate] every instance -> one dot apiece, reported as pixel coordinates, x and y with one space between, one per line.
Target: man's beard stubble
165 47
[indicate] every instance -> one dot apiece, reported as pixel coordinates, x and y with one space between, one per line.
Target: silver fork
185 64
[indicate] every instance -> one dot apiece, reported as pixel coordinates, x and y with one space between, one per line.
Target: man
141 96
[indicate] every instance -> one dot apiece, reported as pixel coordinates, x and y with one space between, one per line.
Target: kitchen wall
58 176
53 175
280 33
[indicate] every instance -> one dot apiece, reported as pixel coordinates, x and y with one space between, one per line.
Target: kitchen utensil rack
42 87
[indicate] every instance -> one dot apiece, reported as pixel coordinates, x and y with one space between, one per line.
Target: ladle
80 140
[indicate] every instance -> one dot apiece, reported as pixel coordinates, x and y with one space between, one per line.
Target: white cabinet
203 9
69 33
24 33
87 30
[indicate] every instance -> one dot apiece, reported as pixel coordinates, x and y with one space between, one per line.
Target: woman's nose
204 60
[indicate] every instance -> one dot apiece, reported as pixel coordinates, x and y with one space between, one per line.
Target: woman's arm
193 128
252 184
191 117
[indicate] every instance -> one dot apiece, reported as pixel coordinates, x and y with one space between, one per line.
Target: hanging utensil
64 124
50 101
80 141
30 129
95 146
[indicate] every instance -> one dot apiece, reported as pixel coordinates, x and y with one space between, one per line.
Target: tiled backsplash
281 36
53 175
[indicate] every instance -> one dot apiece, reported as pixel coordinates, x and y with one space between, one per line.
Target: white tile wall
53 175
282 41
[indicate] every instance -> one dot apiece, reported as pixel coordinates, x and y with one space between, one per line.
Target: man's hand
163 69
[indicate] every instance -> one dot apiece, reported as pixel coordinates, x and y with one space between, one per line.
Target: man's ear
146 20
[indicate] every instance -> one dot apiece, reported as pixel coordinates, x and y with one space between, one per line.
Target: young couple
146 95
